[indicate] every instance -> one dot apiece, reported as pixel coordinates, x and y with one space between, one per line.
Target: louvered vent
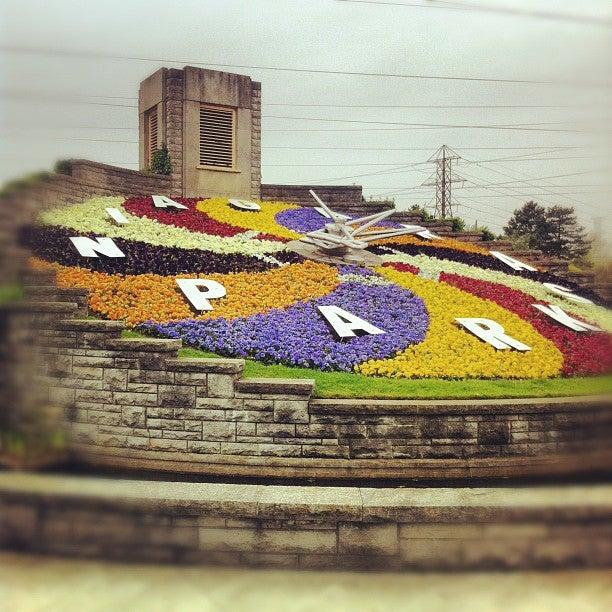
217 136
152 132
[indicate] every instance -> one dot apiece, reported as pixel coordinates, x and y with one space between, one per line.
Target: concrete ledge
314 527
459 406
137 345
218 366
66 308
271 386
401 470
90 325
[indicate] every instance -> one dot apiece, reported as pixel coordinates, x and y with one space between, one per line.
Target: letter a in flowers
90 247
192 288
558 314
566 293
515 264
346 324
164 202
493 333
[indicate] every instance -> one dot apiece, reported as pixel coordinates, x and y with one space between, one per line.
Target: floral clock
223 278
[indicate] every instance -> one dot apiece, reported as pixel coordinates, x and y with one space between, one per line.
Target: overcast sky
44 117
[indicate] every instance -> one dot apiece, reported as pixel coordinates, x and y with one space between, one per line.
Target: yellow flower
448 351
261 220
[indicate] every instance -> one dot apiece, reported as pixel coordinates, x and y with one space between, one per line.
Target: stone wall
131 402
307 527
255 140
86 180
173 126
343 198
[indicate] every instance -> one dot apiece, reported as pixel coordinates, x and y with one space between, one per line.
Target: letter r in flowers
558 314
515 264
90 247
566 293
493 333
192 289
346 324
164 202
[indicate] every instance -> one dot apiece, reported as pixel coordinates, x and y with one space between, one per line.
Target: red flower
190 219
584 353
402 267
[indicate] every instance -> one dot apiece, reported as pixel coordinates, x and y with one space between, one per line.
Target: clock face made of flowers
270 281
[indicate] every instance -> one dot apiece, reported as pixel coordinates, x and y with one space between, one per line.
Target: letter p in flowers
199 290
346 324
493 333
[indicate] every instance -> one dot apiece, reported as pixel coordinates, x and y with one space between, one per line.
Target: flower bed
299 336
260 221
584 353
450 352
192 219
270 310
91 217
151 297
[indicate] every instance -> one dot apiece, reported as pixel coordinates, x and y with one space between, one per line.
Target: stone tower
211 124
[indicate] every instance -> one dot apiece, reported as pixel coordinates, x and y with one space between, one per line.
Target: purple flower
300 336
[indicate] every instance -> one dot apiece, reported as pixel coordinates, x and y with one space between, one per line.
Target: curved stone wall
133 403
307 527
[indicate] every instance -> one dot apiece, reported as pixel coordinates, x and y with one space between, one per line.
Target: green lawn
343 384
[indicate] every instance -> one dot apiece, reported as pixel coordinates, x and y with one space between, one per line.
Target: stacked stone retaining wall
132 402
307 527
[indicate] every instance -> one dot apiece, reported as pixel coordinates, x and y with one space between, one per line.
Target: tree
160 161
529 224
564 237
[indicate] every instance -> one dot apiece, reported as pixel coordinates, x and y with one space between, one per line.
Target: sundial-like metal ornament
345 240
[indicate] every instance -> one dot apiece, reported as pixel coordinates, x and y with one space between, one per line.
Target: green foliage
564 237
10 293
160 161
31 446
420 210
554 231
528 223
63 166
19 184
487 234
458 224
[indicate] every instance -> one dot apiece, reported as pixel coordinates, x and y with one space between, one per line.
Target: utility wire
27 50
510 11
74 98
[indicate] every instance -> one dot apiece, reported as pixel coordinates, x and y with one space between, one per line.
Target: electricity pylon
443 180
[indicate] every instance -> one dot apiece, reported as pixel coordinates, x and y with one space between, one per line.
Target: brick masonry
132 402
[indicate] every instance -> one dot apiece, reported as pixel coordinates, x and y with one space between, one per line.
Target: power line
424 125
502 10
300 70
73 98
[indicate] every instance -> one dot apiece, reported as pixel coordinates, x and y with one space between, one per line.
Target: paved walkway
29 583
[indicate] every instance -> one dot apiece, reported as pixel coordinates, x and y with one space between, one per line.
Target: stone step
352 527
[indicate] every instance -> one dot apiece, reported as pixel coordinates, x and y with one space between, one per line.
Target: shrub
160 161
487 234
458 224
63 166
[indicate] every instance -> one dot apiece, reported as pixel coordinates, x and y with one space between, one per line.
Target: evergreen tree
529 224
565 237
